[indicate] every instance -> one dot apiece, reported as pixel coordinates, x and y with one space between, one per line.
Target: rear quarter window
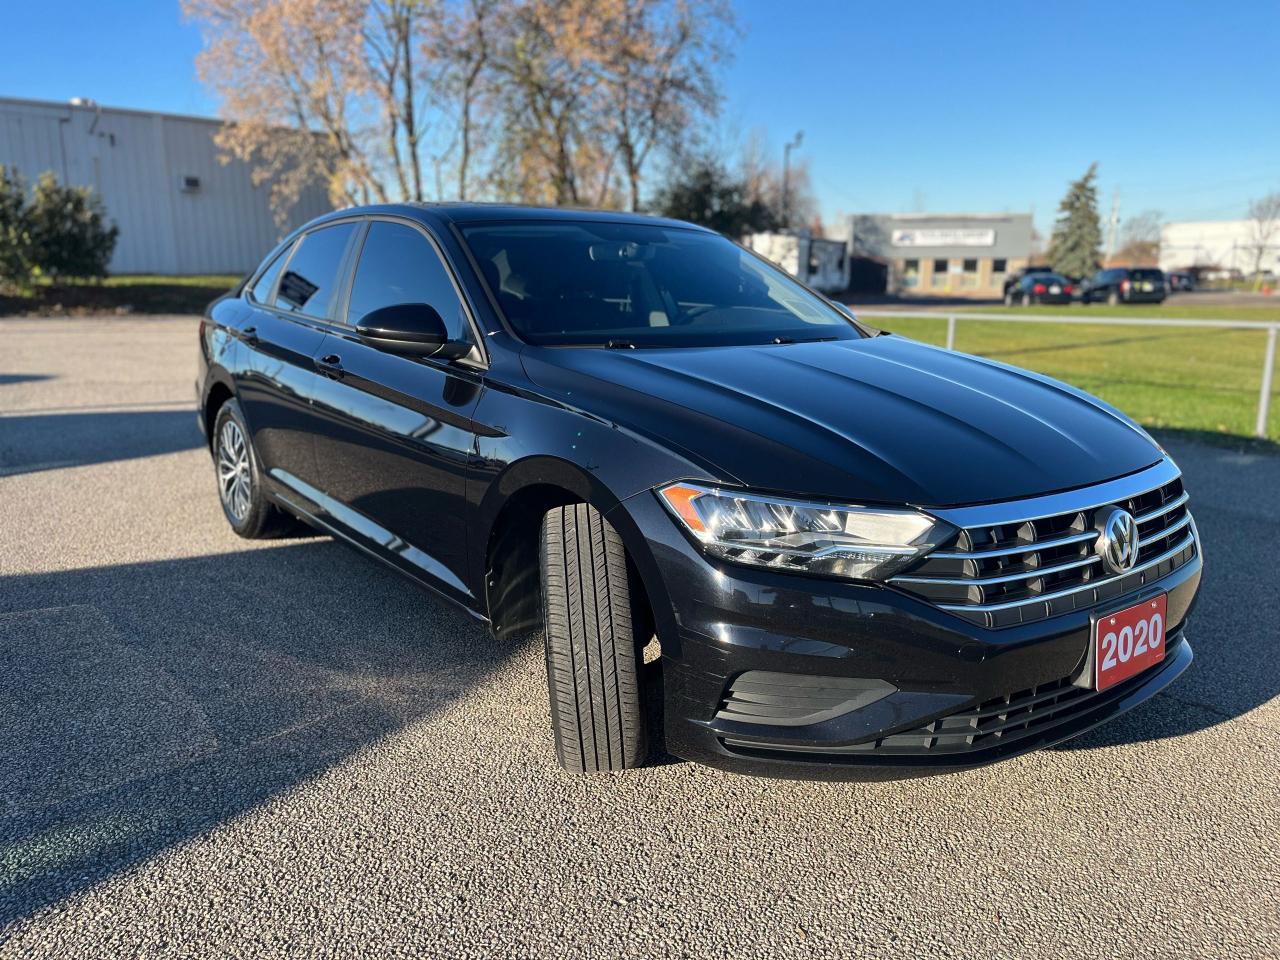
262 290
308 285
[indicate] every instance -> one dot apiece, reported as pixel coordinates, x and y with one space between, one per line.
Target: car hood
881 419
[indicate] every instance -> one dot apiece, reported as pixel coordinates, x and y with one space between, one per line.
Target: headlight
858 543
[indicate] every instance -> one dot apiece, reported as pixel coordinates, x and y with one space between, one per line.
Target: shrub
69 234
15 240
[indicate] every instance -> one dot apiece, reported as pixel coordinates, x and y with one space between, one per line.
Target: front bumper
912 676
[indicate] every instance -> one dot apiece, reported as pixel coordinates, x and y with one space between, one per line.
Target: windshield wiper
782 339
619 345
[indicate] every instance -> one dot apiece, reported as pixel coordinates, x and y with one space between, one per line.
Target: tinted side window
262 289
308 284
399 265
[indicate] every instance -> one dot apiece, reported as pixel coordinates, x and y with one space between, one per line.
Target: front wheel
593 660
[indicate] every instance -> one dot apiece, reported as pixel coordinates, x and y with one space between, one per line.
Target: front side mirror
410 328
843 308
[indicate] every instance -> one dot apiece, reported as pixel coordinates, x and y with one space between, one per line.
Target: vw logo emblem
1117 542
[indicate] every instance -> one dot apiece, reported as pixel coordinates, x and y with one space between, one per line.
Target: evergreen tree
15 240
707 194
70 236
1076 245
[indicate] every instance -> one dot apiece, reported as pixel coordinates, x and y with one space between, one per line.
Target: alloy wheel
235 479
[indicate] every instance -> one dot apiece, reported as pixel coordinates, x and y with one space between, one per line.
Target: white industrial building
1220 245
822 264
180 209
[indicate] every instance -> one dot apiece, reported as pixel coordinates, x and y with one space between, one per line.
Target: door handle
330 365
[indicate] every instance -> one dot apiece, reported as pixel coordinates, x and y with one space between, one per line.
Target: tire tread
592 659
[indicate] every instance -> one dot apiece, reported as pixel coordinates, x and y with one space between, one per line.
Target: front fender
533 452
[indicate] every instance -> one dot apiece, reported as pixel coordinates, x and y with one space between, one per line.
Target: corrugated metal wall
137 162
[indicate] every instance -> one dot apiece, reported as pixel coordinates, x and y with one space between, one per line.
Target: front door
395 432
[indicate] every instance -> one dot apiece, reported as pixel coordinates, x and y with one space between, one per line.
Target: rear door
396 431
292 303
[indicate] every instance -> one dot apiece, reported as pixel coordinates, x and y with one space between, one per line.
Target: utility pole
786 177
1113 225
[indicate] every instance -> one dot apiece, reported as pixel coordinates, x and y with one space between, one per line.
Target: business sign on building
943 237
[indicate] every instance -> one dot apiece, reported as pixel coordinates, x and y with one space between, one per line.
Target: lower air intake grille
993 723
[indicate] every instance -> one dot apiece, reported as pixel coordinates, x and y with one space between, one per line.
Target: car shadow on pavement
33 442
142 705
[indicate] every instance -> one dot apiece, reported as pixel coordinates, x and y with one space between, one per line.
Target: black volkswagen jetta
859 556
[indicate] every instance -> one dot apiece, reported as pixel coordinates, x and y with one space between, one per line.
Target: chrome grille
1007 567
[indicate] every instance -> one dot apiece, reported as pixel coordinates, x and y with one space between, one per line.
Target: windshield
641 285
1146 274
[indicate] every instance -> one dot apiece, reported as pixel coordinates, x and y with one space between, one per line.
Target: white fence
1268 360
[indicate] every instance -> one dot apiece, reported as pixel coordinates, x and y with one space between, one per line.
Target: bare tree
560 101
661 77
463 41
1264 224
390 37
1140 240
762 173
547 71
317 89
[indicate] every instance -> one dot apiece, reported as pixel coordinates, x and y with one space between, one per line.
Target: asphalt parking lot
215 748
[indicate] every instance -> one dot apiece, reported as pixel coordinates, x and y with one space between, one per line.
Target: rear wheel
593 660
1113 298
244 503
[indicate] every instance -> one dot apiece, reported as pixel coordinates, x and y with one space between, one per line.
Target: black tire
254 517
593 660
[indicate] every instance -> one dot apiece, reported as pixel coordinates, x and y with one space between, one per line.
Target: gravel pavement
215 748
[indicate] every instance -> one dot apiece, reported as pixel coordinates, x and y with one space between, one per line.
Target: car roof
469 212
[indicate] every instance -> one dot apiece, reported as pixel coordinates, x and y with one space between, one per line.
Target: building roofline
104 108
1206 223
947 216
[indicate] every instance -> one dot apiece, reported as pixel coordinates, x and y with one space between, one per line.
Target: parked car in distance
1040 288
1180 281
1125 285
1012 281
855 556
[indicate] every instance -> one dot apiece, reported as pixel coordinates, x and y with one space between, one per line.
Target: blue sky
928 105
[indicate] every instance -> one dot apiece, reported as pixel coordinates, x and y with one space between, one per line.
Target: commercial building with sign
927 254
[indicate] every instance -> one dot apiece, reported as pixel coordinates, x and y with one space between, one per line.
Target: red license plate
1128 641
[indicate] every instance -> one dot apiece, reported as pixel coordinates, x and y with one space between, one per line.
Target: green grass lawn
1196 380
131 293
